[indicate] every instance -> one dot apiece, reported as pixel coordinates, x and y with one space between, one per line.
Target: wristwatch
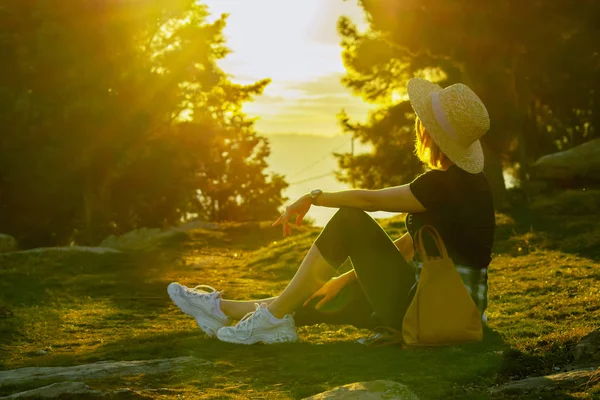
314 194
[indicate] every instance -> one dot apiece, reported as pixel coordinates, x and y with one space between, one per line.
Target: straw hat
455 119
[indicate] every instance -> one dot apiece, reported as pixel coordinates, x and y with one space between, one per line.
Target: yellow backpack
442 312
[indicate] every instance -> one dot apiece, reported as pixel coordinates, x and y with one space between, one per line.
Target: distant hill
303 159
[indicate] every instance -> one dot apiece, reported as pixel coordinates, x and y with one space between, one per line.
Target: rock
124 390
578 164
7 243
588 348
371 390
81 390
145 238
57 389
71 249
547 383
103 369
189 226
141 239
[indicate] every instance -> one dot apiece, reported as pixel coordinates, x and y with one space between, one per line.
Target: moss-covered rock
7 243
371 390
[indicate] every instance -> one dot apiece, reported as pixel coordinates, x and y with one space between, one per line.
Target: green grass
544 296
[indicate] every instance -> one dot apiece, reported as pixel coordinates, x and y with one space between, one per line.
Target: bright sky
295 43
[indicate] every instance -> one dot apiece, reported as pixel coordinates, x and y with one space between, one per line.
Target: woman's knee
333 240
351 214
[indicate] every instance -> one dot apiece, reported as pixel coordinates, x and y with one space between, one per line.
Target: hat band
440 116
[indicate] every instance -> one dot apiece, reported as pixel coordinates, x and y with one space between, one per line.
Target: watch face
315 192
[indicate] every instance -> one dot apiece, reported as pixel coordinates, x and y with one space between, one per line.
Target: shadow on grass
302 369
40 288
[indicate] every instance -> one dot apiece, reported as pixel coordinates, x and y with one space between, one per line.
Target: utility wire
312 164
311 178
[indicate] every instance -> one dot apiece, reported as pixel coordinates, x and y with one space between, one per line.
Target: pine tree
534 64
113 115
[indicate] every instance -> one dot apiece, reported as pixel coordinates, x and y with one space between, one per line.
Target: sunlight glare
278 38
295 43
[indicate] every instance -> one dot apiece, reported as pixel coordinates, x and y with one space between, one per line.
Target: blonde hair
427 150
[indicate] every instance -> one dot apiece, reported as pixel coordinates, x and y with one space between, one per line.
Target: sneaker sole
209 325
261 338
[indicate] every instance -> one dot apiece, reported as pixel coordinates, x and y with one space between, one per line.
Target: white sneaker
260 326
200 304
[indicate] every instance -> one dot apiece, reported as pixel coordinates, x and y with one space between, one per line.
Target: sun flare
295 43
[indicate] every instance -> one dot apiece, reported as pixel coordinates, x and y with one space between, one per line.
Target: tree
506 50
390 130
112 113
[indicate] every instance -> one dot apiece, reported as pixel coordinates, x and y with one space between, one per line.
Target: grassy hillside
78 308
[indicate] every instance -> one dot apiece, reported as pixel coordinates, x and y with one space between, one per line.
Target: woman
454 196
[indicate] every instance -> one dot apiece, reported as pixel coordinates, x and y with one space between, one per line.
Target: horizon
303 62
305 172
305 95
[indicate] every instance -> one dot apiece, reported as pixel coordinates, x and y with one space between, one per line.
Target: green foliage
534 64
392 162
115 116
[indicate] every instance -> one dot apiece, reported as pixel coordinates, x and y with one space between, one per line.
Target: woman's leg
237 309
357 311
311 275
353 309
384 276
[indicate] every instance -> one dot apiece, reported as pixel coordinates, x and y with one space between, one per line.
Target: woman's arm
393 199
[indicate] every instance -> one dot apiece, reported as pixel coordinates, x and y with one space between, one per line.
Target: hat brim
470 158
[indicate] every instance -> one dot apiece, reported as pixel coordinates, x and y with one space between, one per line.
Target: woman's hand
405 245
330 290
300 207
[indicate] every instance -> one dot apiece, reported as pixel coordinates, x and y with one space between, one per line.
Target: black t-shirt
460 206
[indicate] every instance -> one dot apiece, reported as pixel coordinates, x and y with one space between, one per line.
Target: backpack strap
437 239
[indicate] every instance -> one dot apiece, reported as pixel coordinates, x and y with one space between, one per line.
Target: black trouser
381 295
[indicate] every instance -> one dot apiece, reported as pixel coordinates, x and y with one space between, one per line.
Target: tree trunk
595 129
489 81
494 172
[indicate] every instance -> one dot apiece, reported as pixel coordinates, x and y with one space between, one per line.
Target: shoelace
247 320
210 288
193 291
